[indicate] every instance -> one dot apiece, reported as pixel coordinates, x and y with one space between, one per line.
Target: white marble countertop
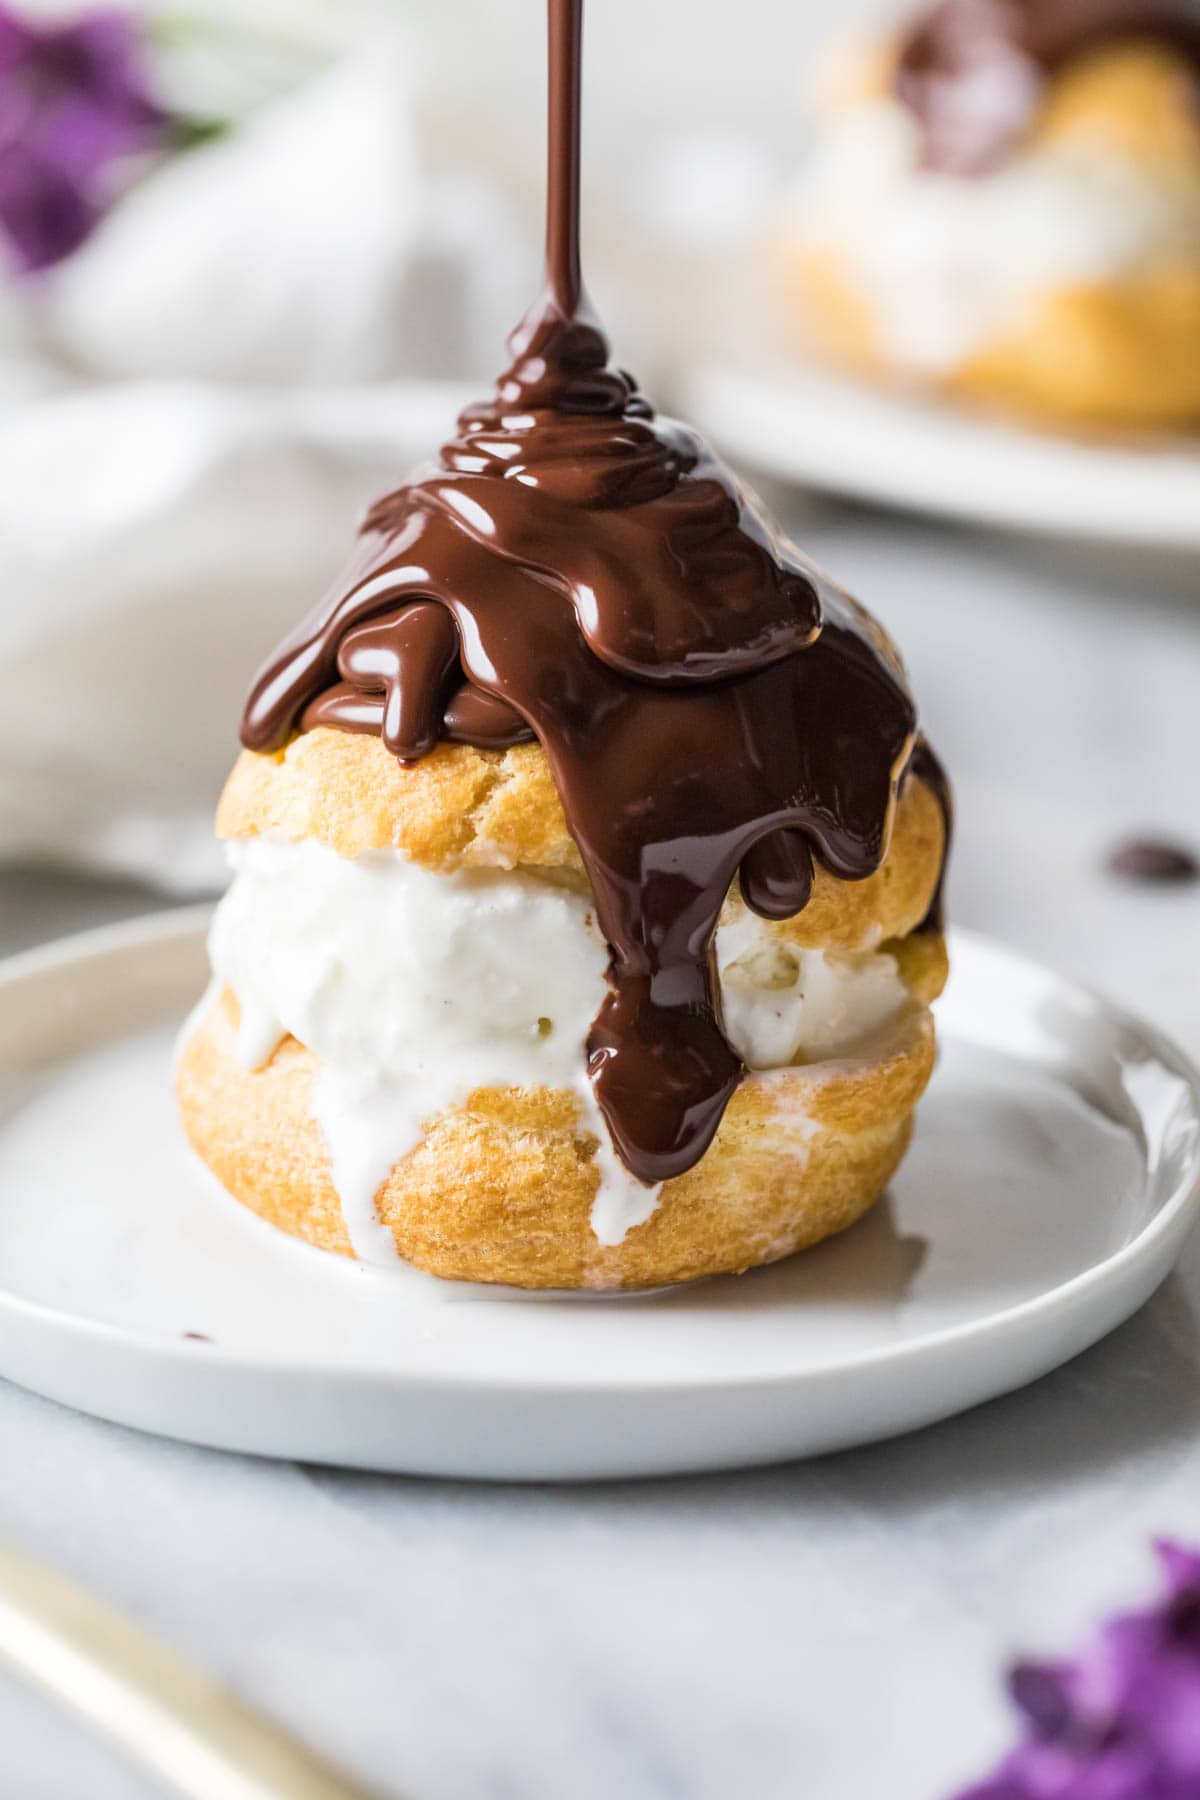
834 1630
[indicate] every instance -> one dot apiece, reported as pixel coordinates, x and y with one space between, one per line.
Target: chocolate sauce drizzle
577 569
974 72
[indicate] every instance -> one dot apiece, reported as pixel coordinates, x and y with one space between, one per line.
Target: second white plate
1050 1186
799 422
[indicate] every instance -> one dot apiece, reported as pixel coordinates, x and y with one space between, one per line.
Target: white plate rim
742 408
1172 1218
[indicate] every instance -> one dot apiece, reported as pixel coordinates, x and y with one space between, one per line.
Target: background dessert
1004 202
623 976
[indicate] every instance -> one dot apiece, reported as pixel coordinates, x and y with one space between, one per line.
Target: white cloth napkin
313 243
184 454
156 539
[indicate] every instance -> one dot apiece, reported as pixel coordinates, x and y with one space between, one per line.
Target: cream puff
1003 203
587 854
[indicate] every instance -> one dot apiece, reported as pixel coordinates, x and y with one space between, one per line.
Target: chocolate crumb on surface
1154 860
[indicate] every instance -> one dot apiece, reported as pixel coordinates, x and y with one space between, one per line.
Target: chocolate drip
974 72
1157 861
925 765
576 568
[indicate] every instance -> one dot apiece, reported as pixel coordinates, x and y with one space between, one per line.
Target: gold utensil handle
187 1730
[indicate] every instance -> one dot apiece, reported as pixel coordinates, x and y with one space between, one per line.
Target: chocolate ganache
578 569
973 72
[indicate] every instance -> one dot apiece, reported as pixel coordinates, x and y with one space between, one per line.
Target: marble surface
835 1629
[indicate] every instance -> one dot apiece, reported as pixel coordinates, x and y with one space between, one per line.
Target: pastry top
499 809
1135 100
707 705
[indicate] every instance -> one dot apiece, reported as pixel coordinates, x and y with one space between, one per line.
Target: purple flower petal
1122 1722
15 39
74 99
1043 1693
1181 1564
43 214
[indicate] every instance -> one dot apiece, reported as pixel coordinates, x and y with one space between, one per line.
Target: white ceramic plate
802 423
1051 1184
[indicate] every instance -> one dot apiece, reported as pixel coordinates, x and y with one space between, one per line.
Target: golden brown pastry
1041 257
502 1185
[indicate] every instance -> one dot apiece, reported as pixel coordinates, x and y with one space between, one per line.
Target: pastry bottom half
1121 356
501 1188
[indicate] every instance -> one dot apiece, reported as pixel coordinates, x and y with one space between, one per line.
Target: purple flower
1123 1721
74 100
